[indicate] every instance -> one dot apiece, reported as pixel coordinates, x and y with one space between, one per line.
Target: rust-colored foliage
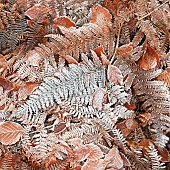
84 84
10 133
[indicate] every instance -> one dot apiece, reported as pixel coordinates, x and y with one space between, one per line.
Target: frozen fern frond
78 84
155 158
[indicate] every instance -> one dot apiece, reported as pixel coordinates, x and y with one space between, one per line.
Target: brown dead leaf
114 75
144 118
31 86
163 152
149 60
144 145
63 21
10 133
95 152
33 58
100 15
70 59
38 11
113 159
94 165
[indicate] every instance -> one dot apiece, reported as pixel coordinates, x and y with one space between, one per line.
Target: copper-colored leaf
100 15
6 84
10 132
131 124
165 76
144 118
33 58
98 98
99 50
149 60
37 11
95 152
124 50
131 106
113 159
144 145
63 21
31 86
70 59
127 126
114 75
163 152
94 165
102 55
60 127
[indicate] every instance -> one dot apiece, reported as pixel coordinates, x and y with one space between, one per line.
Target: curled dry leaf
94 165
102 55
95 152
149 60
144 145
113 159
58 128
114 75
38 11
10 132
70 59
31 86
63 21
144 118
165 76
131 124
33 58
163 152
6 84
100 15
124 50
131 106
127 126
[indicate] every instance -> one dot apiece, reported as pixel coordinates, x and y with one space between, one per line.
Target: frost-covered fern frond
155 158
76 84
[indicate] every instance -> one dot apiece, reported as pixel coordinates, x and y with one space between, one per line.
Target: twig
117 44
153 11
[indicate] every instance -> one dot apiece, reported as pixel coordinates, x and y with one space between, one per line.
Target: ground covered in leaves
84 84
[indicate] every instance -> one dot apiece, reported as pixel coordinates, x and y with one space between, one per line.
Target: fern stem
153 10
117 44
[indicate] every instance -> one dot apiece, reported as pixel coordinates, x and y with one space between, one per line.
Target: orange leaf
100 15
149 60
131 106
6 84
63 21
114 75
144 118
94 165
124 50
113 159
33 58
99 50
95 152
10 133
144 145
37 11
70 59
31 86
59 127
163 152
102 55
131 124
